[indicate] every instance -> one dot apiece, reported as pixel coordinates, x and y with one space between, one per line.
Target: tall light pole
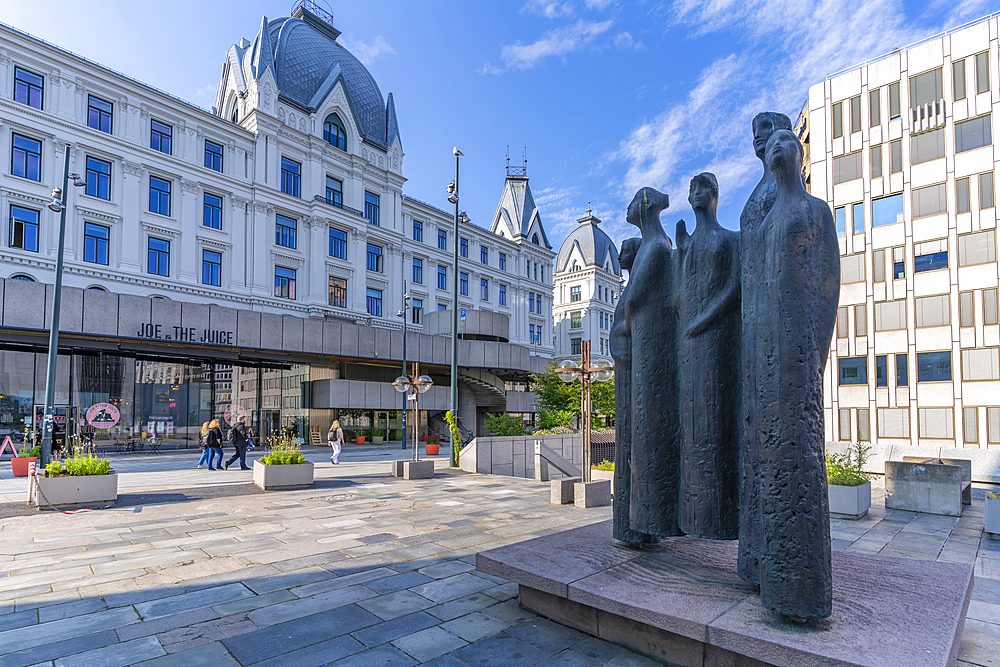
453 198
58 204
600 371
402 313
412 389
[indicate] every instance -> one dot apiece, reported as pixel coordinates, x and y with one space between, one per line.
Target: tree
558 399
502 424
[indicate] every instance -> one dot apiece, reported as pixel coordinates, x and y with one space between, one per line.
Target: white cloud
550 9
558 42
205 96
624 40
368 53
599 4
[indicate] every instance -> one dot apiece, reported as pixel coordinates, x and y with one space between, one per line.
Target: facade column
129 252
189 222
262 271
239 265
315 265
358 258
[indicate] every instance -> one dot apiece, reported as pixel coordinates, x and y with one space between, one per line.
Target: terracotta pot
431 449
360 440
20 465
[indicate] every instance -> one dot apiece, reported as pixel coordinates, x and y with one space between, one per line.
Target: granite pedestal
418 469
682 602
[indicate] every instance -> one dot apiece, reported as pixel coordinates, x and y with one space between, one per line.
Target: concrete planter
850 502
377 439
992 526
74 490
282 477
598 475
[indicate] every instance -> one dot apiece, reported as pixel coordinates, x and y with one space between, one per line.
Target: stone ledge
682 602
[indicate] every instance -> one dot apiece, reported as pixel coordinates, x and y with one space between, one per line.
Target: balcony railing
927 117
342 207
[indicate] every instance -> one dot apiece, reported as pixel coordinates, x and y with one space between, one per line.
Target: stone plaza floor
194 568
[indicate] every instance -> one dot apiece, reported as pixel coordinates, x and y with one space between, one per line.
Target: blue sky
606 96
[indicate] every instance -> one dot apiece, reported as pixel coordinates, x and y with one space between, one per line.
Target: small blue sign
463 312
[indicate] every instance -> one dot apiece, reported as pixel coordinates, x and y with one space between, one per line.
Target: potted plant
432 444
359 438
283 468
80 480
19 463
850 487
378 436
992 526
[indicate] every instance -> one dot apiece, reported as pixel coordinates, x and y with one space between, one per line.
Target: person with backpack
214 444
335 438
205 451
238 436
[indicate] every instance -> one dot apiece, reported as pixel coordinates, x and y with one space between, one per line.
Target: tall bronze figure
708 304
797 311
620 342
757 207
655 440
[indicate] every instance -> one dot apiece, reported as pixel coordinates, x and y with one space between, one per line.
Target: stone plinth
682 602
397 468
562 490
418 469
592 494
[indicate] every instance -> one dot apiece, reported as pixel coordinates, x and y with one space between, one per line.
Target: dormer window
534 239
334 133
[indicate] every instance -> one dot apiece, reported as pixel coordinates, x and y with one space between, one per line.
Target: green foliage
556 398
456 436
993 494
847 469
604 465
79 465
551 419
35 451
288 431
284 451
555 430
432 438
503 424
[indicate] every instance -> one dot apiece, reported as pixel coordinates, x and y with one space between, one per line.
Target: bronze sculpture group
720 346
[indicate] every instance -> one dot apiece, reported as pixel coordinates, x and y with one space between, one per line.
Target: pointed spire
391 125
264 56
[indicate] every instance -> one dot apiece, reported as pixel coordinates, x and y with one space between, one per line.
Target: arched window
334 133
534 239
21 276
236 114
97 288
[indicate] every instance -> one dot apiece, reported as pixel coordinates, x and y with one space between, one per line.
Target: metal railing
330 202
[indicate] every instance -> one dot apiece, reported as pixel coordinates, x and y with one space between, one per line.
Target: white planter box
598 475
74 490
377 439
850 502
992 526
282 477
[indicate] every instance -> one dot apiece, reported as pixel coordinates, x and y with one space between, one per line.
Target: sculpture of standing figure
797 310
620 342
757 207
655 440
708 304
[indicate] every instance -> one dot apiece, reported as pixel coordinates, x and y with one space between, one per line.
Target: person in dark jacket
240 439
214 444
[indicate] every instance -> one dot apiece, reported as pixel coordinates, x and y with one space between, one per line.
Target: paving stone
501 650
627 659
546 635
288 580
164 624
447 569
209 655
286 611
301 632
380 656
250 604
986 590
450 588
53 648
428 644
980 643
509 611
396 628
198 634
444 661
598 649
125 653
394 605
342 582
56 612
190 601
475 626
67 628
462 606
322 653
397 582
984 611
20 619
572 659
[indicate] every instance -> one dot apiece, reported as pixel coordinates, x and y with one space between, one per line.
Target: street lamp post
453 198
402 313
412 389
58 204
600 371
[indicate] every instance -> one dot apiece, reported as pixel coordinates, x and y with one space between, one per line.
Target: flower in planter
432 438
79 465
284 451
847 469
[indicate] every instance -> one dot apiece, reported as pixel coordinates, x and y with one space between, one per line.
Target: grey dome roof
593 243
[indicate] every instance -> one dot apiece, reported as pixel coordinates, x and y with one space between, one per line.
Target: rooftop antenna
588 206
508 159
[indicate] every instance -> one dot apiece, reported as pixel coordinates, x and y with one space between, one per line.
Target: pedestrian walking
238 436
214 444
205 451
335 438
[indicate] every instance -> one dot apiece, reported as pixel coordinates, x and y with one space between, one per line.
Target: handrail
330 202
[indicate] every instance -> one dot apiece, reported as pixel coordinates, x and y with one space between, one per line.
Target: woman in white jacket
335 438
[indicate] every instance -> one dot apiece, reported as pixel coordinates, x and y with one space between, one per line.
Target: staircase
486 387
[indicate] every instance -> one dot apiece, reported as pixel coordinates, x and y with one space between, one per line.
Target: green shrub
993 494
35 451
551 419
79 465
604 465
847 469
555 430
284 451
456 435
503 424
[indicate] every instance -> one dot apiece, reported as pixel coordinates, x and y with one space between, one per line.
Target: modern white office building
902 148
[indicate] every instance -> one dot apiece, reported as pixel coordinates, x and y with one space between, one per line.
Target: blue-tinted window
284 282
503 261
417 310
531 302
334 192
463 284
338 243
858 213
502 295
930 262
418 231
374 258
99 114
484 255
442 277
463 247
284 230
95 243
23 228
291 177
333 132
484 289
373 302
898 270
902 370
372 207
887 210
442 239
418 271
972 134
212 213
933 366
213 156
159 257
881 371
442 306
840 217
98 178
26 157
534 239
159 195
28 88
211 267
160 136
853 370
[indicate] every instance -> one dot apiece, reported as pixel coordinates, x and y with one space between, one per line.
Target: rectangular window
418 231
159 195
982 72
442 239
442 277
284 230
338 243
990 305
926 88
418 271
373 302
860 320
853 370
977 248
372 203
338 292
23 228
898 263
502 295
26 157
847 167
970 425
374 262
284 282
574 345
933 367
993 424
966 309
502 261
840 219
896 156
933 311
417 311
98 178
858 217
463 283
95 243
902 370
442 306
28 88
881 371
463 247
930 200
158 257
874 107
890 315
334 192
972 134
927 146
527 269
856 114
843 328
211 268
936 423
878 266
484 289
99 114
844 423
291 177
852 269
531 302
894 105
893 422
575 293
930 256
576 319
213 157
986 190
958 79
160 136
963 200
212 211
981 363
484 255
838 120
864 425
876 161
